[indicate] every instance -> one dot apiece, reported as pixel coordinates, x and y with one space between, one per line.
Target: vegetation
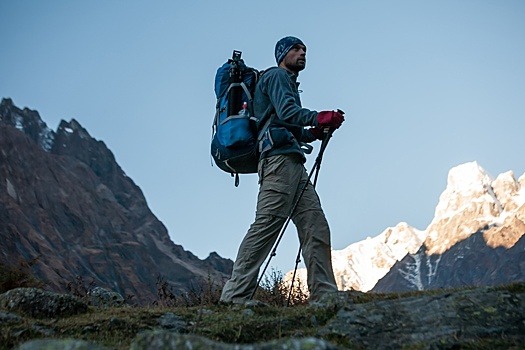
201 314
199 308
272 291
17 276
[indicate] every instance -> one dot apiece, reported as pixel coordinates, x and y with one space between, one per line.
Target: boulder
58 344
103 298
157 340
434 321
173 322
38 303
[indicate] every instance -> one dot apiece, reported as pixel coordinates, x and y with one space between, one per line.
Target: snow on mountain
360 265
467 181
29 122
46 137
472 202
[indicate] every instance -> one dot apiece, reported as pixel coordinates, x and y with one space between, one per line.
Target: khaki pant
281 179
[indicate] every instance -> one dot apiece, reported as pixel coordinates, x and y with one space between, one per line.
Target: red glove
330 119
318 133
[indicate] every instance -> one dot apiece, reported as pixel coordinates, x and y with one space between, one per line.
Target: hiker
282 176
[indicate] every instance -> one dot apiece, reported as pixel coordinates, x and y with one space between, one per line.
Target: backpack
235 130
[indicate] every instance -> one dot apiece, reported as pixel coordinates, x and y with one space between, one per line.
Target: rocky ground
477 318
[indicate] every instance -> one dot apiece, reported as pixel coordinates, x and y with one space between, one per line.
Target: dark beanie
284 45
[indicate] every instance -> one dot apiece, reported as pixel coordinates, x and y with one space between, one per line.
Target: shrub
19 276
200 292
275 291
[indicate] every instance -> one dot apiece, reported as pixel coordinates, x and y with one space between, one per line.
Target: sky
426 86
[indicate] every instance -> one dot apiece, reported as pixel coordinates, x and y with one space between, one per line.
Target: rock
58 344
335 301
42 330
6 317
471 262
103 298
247 312
446 320
157 340
173 322
41 304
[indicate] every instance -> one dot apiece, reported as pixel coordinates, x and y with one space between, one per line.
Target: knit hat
284 45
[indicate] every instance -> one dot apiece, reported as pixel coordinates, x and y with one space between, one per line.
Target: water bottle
244 112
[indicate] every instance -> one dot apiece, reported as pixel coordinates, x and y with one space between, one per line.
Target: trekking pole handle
327 129
328 132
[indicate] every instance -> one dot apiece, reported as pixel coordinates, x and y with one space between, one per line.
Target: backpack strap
262 131
306 147
243 86
234 116
236 179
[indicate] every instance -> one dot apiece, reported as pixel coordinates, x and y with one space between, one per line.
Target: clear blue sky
426 85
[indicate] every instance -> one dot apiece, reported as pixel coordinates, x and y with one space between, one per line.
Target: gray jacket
277 96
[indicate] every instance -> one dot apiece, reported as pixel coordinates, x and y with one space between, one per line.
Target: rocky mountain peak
73 127
27 121
67 205
507 190
467 177
360 265
472 201
465 181
475 238
479 221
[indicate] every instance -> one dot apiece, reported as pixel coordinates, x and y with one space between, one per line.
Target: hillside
479 318
69 210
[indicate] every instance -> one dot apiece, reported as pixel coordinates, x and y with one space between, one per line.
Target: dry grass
202 315
18 276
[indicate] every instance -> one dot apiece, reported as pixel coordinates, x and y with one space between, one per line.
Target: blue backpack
236 133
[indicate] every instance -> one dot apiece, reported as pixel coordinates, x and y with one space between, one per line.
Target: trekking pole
315 168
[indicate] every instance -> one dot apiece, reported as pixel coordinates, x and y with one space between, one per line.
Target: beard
296 66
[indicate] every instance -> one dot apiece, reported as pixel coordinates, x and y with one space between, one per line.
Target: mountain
475 238
67 207
361 265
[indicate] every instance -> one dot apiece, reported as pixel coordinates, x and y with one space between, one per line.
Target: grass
198 307
116 328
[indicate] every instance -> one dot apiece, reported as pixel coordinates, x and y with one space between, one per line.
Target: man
282 176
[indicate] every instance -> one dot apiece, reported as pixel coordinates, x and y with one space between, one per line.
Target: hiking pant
281 179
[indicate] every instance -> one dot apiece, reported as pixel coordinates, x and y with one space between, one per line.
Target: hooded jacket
277 99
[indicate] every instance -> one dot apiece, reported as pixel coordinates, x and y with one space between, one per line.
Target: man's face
295 59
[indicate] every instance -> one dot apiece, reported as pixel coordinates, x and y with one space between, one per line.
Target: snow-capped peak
467 180
360 265
472 202
467 177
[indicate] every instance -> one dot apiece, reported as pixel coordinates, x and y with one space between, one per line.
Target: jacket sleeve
307 136
283 98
